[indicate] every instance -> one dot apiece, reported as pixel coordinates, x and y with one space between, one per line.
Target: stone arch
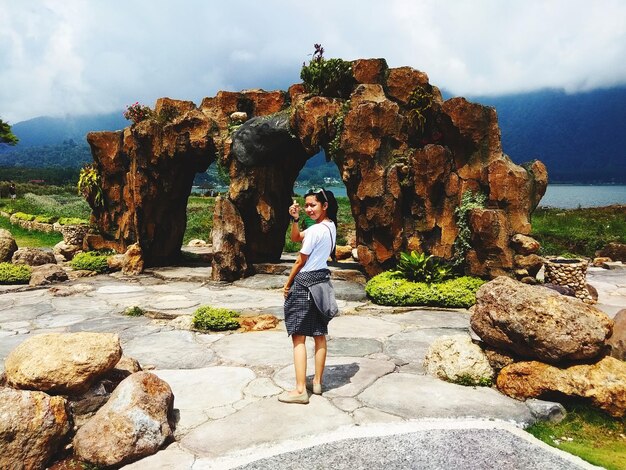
405 155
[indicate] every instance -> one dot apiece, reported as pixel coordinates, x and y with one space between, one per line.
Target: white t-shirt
319 239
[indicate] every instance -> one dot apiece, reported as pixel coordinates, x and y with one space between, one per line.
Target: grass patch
588 433
134 311
14 273
215 319
30 239
578 231
51 205
389 288
199 218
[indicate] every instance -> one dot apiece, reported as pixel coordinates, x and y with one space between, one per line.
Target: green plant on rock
23 216
91 261
469 201
470 381
89 185
167 114
338 121
138 112
215 319
71 221
46 219
327 77
134 311
419 267
419 102
14 273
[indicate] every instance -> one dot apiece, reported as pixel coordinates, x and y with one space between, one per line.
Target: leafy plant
215 319
91 261
89 185
46 219
419 102
134 311
469 201
327 77
26 217
469 381
71 221
167 114
333 146
14 273
419 267
137 112
390 288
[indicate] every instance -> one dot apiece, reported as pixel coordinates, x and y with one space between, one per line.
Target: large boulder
66 251
134 423
133 261
617 341
604 382
8 246
63 363
33 257
32 428
47 274
538 323
229 239
615 251
456 358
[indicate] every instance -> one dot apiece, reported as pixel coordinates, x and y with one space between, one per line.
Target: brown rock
33 257
402 81
47 274
603 382
600 260
531 263
343 252
62 362
258 322
66 251
229 239
615 251
535 322
133 260
617 341
131 425
369 70
524 245
116 262
498 358
8 246
32 428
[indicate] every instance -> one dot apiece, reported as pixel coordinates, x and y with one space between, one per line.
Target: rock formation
405 155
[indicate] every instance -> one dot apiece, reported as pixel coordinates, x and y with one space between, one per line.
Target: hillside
580 137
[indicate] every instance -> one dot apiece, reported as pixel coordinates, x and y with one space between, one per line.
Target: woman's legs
299 362
320 358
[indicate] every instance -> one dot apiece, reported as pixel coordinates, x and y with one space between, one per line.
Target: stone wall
405 156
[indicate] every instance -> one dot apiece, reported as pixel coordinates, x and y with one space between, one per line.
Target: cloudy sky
84 56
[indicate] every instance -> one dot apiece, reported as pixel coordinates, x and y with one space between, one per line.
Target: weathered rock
604 382
116 262
32 428
369 70
563 290
131 425
47 274
66 251
617 341
197 242
73 234
600 260
8 246
133 262
62 363
229 239
524 245
456 358
498 358
615 251
531 263
258 322
343 252
535 322
33 257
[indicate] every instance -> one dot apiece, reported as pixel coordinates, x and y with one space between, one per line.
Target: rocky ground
225 385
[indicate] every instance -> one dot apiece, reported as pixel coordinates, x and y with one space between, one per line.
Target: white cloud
81 56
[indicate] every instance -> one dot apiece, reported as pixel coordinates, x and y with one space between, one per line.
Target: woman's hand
286 290
294 210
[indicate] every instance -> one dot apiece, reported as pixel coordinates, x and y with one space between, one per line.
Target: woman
309 296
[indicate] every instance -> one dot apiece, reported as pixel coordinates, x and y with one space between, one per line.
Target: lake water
565 196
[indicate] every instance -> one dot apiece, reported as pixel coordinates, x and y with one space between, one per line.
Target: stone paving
225 385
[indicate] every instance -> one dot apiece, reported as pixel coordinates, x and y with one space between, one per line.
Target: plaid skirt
302 317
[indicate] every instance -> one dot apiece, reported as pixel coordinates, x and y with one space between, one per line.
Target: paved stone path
225 385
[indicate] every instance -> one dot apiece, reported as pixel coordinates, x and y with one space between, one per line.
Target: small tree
6 136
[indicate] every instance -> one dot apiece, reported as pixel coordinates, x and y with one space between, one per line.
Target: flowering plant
137 112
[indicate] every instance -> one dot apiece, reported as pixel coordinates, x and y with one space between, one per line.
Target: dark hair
325 195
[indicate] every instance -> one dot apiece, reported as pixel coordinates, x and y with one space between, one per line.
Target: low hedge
391 289
46 219
23 216
92 261
215 319
14 273
72 221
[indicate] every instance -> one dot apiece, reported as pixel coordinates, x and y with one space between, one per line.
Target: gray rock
47 274
33 257
353 346
546 410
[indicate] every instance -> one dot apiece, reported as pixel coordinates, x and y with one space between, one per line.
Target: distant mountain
580 137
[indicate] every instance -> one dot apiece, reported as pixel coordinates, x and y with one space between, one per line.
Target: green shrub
22 216
389 288
469 381
327 77
215 319
46 219
14 273
72 221
91 260
419 267
134 311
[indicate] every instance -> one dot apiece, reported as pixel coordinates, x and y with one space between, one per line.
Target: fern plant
419 267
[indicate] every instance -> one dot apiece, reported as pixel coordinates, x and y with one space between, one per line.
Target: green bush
134 311
215 319
91 260
327 77
418 267
389 288
14 273
46 219
72 221
22 216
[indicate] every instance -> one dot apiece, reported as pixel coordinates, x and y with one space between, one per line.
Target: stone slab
411 346
414 396
428 318
167 459
352 326
353 346
262 281
181 273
